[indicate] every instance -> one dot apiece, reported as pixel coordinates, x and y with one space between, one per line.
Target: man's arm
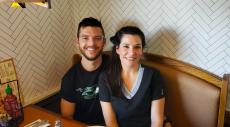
157 112
67 108
109 115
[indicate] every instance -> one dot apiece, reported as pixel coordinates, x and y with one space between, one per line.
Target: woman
131 95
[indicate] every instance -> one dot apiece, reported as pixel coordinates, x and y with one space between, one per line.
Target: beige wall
195 31
42 41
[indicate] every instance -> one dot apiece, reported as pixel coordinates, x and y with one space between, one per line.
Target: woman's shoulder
150 69
103 77
103 74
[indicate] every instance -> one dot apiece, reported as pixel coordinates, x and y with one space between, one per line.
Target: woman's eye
126 46
137 47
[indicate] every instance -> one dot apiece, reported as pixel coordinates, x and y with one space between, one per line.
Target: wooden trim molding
227 113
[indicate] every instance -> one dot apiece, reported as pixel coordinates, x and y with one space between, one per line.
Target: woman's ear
117 49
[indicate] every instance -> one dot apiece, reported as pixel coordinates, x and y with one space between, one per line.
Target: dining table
32 113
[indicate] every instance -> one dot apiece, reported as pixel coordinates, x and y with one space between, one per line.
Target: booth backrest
195 97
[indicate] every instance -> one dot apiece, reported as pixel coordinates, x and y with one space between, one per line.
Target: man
79 88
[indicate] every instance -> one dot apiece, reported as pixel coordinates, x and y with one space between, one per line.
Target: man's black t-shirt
81 87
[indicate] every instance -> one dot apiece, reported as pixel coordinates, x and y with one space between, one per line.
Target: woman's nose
131 50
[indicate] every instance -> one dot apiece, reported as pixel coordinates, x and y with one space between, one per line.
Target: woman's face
130 50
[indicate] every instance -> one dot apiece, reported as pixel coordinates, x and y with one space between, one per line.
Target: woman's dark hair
114 71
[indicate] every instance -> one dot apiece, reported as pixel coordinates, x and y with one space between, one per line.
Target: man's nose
91 41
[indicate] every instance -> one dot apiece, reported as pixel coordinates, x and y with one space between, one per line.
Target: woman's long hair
114 70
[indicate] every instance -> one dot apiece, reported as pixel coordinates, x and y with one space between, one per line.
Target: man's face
91 42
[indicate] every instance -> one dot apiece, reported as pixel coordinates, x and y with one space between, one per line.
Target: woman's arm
109 115
157 112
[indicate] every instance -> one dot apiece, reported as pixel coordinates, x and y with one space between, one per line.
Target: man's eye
84 38
98 38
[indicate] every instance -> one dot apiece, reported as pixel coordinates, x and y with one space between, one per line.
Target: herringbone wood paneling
42 41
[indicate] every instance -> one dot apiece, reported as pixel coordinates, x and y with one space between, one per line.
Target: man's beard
91 58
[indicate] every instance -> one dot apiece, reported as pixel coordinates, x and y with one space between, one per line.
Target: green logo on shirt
90 92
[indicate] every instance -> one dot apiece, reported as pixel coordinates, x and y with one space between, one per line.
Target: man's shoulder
105 57
105 60
72 70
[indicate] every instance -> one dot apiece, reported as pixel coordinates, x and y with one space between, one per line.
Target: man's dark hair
90 21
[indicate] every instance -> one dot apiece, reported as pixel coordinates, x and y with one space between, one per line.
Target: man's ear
104 41
77 41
